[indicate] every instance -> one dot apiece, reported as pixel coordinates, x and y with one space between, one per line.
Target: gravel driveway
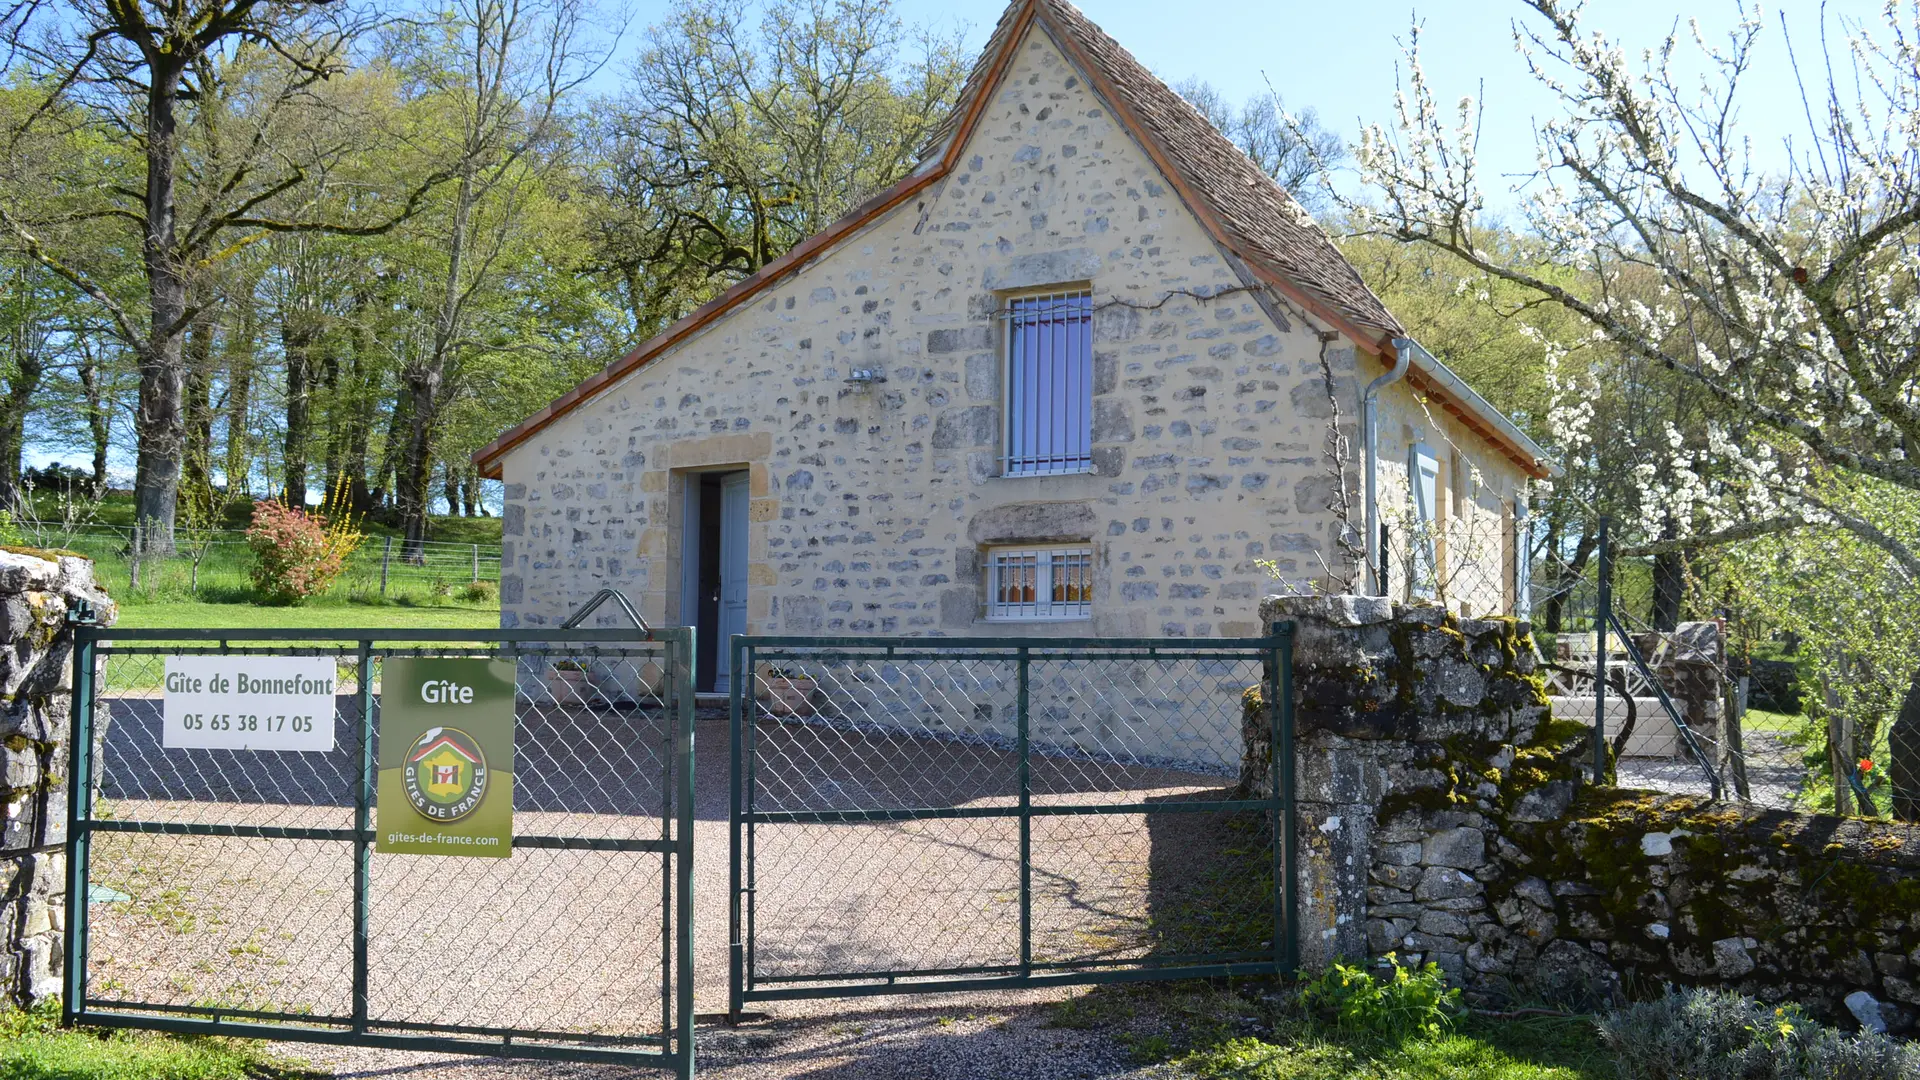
570 939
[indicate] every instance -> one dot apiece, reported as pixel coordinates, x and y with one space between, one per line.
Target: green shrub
1408 1002
294 555
480 592
1697 1034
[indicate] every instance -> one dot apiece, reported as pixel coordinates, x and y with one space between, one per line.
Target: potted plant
789 692
568 683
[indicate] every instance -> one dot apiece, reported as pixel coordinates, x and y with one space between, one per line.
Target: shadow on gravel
953 1042
1210 883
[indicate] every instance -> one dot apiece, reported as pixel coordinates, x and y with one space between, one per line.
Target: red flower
1866 766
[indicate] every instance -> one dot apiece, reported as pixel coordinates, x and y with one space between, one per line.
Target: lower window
1040 583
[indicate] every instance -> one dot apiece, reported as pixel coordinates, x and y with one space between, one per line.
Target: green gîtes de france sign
446 757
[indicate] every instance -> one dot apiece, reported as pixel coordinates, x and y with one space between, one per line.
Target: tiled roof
1247 212
1263 224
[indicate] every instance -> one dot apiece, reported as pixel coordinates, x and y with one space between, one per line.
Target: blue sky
1340 57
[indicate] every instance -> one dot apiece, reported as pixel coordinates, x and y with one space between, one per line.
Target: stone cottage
1086 371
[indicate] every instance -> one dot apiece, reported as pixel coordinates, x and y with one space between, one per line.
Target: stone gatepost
37 591
1416 734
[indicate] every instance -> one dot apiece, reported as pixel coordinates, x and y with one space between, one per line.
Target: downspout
1370 435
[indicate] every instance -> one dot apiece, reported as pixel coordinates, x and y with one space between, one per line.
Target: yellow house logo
445 774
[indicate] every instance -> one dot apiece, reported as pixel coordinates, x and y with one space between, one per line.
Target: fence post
476 562
1280 780
385 558
1604 618
736 927
1022 737
363 842
1736 708
79 819
683 851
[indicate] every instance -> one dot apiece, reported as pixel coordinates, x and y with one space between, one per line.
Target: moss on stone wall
1772 902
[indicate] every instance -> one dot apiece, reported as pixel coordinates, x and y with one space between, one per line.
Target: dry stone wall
1396 829
37 591
1673 889
1445 815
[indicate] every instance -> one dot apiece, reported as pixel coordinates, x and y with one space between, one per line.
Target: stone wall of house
1446 816
871 505
37 590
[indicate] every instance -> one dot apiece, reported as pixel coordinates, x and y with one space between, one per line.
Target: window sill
1012 620
1078 470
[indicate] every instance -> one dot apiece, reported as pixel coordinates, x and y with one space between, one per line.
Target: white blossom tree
1787 298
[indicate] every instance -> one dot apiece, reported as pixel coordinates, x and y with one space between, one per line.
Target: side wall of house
871 506
1472 529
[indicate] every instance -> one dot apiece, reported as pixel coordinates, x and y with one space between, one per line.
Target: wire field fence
1682 712
238 892
917 815
380 565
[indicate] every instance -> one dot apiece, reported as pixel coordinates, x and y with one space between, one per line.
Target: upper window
1049 384
1040 583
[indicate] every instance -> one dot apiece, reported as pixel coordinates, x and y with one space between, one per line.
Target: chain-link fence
1474 564
959 814
237 891
1693 707
380 565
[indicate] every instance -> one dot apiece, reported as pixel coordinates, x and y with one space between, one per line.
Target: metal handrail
602 597
1687 737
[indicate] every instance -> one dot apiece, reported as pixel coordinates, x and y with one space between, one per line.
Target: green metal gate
237 892
937 815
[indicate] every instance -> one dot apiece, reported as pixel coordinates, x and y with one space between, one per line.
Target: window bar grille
1050 583
1049 354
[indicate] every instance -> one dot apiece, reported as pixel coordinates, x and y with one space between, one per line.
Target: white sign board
248 703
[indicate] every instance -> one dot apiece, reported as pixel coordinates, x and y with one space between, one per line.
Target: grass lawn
191 615
1224 1035
1763 720
33 1047
1542 1048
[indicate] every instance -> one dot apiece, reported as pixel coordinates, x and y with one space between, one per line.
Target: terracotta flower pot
570 687
789 697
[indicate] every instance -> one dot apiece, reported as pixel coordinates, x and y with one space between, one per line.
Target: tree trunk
1669 588
13 422
397 424
157 421
197 468
1565 576
364 378
1839 739
1669 582
425 380
1903 752
359 496
452 486
239 351
296 339
99 421
470 493
415 470
336 449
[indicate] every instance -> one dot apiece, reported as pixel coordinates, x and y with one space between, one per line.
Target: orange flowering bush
293 555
